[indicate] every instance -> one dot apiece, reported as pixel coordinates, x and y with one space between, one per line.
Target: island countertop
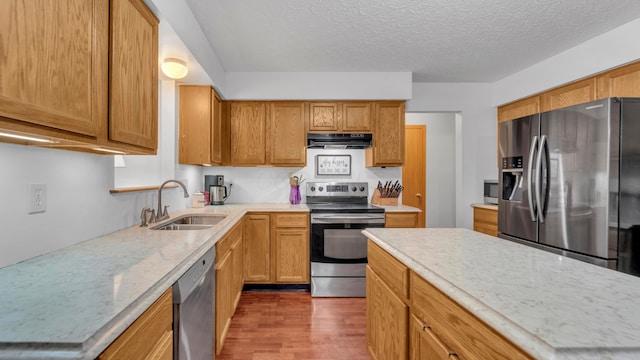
551 306
72 303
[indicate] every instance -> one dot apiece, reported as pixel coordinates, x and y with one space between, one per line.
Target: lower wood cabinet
386 320
149 337
401 219
291 247
485 221
276 248
409 318
425 344
229 281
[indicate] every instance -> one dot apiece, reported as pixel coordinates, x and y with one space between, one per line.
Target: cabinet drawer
461 331
485 216
228 240
149 334
298 220
484 228
390 270
401 220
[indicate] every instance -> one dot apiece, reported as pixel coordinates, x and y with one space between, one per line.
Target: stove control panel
343 189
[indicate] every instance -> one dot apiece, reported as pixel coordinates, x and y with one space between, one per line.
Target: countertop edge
509 330
95 344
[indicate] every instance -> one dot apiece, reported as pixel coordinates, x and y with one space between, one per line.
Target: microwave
491 192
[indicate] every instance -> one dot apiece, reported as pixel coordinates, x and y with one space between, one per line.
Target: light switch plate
37 198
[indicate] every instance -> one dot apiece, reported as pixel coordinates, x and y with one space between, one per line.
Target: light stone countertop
485 206
72 303
398 208
551 306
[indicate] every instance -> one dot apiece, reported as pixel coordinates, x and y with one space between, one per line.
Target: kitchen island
548 306
74 302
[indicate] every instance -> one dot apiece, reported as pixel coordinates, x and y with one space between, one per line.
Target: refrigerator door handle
532 206
543 145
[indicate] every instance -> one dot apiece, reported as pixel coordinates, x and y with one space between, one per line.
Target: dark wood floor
293 325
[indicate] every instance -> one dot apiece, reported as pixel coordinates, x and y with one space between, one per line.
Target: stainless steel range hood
338 141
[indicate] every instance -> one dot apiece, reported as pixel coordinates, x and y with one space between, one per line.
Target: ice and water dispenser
512 178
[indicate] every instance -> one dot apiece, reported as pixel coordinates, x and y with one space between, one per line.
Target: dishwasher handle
193 277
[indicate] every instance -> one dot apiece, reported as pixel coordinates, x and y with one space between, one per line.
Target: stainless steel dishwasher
193 310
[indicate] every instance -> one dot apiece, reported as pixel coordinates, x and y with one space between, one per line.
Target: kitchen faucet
161 213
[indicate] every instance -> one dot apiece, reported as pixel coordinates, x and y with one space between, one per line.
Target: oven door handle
341 219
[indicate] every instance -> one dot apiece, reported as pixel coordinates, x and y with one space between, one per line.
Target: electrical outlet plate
37 198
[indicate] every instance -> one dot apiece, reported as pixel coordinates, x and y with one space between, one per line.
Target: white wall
611 49
318 86
476 134
79 206
440 167
268 184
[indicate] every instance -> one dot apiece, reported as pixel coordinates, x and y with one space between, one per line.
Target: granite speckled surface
485 206
72 303
551 306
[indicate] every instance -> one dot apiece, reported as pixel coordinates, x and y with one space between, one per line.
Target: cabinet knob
419 195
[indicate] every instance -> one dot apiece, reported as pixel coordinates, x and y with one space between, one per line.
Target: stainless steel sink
191 222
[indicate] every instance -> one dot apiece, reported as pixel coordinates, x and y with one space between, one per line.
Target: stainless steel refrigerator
570 182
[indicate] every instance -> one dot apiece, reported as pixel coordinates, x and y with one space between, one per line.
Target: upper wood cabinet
323 117
356 117
287 141
248 124
388 136
59 85
575 93
82 73
621 82
520 108
341 117
200 126
133 75
267 133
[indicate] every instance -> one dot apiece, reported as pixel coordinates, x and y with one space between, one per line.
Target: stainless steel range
339 213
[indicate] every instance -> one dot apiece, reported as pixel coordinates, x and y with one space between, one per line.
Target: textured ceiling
437 40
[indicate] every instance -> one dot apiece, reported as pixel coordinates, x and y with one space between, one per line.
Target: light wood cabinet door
518 109
401 220
238 270
288 139
572 94
292 255
323 117
53 70
425 345
257 248
356 117
485 221
224 295
216 128
195 125
200 126
149 337
388 137
248 133
620 82
387 320
133 74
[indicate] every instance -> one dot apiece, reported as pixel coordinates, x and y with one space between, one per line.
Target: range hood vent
338 141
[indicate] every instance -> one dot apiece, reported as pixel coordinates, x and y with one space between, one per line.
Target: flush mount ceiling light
174 68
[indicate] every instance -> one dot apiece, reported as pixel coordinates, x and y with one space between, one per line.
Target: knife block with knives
386 194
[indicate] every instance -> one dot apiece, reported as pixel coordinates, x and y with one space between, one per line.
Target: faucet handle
143 216
165 213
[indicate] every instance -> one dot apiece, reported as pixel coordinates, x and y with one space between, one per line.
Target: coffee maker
217 191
